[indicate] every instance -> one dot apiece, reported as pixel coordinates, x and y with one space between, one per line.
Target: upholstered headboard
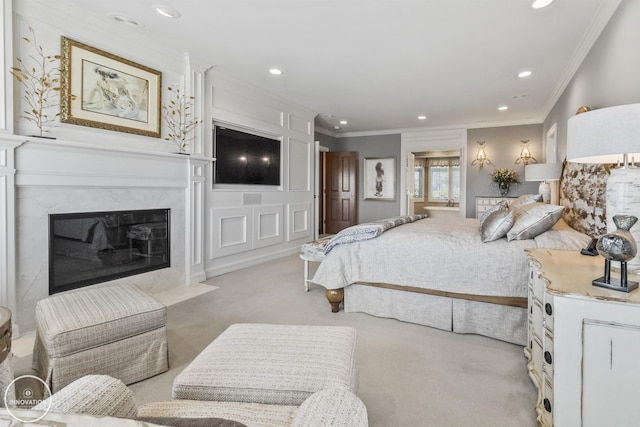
582 193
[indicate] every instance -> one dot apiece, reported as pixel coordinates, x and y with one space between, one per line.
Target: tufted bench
271 364
314 252
115 330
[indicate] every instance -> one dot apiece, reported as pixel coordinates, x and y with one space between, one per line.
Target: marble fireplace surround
41 177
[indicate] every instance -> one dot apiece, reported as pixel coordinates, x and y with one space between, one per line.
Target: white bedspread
442 254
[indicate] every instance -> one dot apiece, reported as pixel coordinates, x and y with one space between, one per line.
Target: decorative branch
40 82
179 120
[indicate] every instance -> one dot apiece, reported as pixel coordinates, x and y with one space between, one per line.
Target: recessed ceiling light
503 108
275 71
166 11
343 122
125 20
422 117
539 4
336 127
524 74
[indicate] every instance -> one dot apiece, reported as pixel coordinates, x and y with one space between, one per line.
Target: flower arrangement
505 176
40 83
179 120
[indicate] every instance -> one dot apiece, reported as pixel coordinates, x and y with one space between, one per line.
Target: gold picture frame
102 90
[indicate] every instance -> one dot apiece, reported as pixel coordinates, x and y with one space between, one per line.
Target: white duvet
442 254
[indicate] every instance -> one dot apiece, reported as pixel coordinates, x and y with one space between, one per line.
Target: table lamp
612 136
543 172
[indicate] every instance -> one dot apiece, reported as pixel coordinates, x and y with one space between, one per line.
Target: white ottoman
273 364
118 331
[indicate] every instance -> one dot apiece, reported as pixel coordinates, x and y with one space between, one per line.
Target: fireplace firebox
94 247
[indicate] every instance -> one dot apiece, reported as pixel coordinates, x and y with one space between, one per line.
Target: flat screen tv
244 158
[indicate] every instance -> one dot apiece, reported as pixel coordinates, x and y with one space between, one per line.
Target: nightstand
484 203
583 344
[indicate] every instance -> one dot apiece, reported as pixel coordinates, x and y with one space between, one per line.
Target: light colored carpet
410 375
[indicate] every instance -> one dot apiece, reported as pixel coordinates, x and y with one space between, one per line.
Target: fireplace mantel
41 176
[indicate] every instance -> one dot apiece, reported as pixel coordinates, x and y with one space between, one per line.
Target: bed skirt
502 322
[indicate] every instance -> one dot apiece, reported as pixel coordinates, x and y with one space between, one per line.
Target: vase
619 245
504 188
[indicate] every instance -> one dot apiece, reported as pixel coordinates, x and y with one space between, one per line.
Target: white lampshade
604 135
543 172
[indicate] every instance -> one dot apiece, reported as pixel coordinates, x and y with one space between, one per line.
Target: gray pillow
532 220
496 225
525 199
502 204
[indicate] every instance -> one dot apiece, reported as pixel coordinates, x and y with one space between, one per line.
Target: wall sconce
481 156
525 154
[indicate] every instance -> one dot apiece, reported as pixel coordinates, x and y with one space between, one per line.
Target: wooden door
341 184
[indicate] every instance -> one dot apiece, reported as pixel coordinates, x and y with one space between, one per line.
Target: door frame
431 140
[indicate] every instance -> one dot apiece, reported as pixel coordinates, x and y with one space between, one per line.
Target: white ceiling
380 63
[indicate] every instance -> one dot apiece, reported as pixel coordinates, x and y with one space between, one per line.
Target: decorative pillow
496 226
533 219
502 204
525 199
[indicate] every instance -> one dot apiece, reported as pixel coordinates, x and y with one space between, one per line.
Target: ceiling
379 64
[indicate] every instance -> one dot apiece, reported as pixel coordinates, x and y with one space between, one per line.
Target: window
444 179
418 190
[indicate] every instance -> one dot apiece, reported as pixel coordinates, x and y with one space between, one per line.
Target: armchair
104 398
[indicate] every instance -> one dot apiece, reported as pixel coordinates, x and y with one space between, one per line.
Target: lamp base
545 191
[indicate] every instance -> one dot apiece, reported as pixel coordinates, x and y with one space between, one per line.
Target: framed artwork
104 91
380 178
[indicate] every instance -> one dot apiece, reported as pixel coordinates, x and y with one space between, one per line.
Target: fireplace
94 247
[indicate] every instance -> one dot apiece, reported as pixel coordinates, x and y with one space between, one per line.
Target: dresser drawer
536 357
548 313
548 355
536 319
547 403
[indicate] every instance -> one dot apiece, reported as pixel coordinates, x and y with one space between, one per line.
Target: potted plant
40 82
179 120
504 177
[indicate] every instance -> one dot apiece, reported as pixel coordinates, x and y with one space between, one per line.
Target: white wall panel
245 106
300 154
299 124
268 225
299 221
232 228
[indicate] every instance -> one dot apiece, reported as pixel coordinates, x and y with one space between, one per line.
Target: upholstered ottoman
272 364
116 330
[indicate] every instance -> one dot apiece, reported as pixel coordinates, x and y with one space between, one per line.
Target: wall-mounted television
245 158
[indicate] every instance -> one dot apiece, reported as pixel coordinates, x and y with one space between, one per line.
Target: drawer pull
548 309
547 357
547 405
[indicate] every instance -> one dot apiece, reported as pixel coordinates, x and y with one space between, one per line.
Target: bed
438 272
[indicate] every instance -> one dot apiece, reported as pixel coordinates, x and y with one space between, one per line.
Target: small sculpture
619 245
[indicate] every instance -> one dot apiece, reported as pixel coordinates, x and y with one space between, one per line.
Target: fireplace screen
95 247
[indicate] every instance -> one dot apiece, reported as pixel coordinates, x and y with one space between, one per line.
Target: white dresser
484 203
584 343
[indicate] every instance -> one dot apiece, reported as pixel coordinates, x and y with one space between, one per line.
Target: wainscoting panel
245 106
268 225
299 124
232 229
299 221
300 165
